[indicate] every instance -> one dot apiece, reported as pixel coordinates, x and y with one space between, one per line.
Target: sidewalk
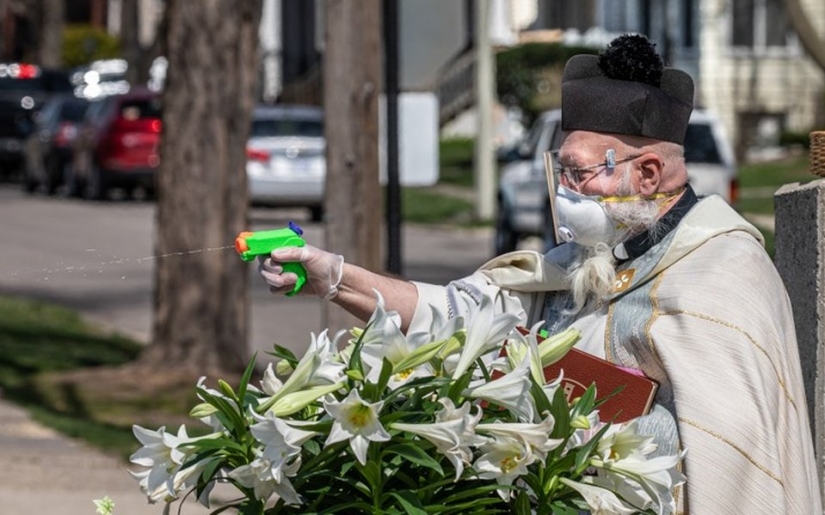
49 474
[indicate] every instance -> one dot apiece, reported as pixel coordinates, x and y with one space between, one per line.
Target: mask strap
655 196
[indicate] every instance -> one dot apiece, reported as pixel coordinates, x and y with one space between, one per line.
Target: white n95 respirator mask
583 219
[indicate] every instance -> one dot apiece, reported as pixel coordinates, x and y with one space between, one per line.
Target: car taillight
66 133
257 155
734 191
155 126
27 71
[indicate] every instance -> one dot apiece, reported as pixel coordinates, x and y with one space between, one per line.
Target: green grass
427 206
759 181
38 340
455 158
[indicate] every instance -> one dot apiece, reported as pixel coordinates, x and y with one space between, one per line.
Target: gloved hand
324 270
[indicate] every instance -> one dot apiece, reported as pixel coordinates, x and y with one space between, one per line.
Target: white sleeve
448 299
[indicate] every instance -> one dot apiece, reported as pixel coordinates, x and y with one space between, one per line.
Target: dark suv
117 146
24 88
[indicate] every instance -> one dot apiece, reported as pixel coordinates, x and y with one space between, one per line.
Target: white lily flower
655 477
163 453
180 478
318 367
282 442
446 436
258 476
510 390
600 501
449 412
624 463
357 421
270 384
486 331
396 348
504 459
442 328
207 411
537 436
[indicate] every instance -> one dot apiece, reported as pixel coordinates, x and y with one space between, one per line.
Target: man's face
584 156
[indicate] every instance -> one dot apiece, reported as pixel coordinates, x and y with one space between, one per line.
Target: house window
759 24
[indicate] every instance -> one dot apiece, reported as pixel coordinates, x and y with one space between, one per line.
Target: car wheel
316 213
53 175
506 239
29 181
74 185
96 188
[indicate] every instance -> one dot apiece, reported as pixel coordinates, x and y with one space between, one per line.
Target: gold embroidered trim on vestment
735 447
748 336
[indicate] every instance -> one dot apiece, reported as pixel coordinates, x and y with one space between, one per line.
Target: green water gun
252 244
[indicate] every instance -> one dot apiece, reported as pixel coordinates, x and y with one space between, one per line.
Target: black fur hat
626 90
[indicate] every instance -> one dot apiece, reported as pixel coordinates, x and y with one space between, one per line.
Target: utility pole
485 84
393 201
352 85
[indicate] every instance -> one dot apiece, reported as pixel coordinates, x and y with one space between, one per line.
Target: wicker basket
818 153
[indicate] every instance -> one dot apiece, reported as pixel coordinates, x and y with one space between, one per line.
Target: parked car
522 191
24 88
117 146
48 148
285 158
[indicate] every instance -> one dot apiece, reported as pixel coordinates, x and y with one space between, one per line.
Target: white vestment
705 313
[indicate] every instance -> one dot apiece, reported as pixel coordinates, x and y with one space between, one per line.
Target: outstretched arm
349 286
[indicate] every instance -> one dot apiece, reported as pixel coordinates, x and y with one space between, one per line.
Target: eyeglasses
578 176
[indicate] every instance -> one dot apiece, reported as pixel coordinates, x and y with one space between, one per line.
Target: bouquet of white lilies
435 422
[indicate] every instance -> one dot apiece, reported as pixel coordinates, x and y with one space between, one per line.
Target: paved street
97 258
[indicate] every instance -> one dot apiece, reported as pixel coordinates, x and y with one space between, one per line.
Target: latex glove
324 270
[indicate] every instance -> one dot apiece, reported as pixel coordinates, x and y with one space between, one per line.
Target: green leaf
585 404
415 454
247 375
522 503
284 354
561 413
562 509
355 375
383 378
583 454
410 503
228 415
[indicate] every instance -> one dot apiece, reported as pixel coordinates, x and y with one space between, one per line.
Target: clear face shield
580 218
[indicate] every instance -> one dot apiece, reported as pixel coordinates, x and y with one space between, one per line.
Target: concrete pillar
800 259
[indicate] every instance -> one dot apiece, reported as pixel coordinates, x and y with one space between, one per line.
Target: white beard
592 277
594 271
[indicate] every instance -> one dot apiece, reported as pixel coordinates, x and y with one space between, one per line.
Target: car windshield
700 145
73 111
139 109
282 127
9 84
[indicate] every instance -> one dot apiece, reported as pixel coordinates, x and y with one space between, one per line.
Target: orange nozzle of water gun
240 242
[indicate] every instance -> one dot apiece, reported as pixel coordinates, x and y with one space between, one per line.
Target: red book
582 369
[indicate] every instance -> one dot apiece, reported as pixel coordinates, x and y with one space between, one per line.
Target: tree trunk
50 33
201 305
352 84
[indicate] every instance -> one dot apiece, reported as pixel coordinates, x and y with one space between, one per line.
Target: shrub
83 44
529 76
